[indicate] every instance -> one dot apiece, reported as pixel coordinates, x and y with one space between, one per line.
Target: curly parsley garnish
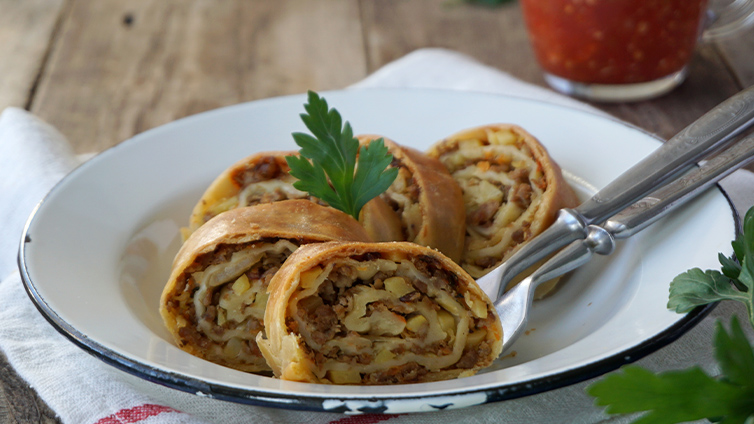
332 166
688 395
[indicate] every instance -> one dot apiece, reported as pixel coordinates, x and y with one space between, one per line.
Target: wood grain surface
104 70
26 30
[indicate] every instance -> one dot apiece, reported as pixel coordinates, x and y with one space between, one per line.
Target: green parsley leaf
736 356
332 166
736 282
680 396
696 287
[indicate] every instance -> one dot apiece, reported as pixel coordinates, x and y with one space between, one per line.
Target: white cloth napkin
82 389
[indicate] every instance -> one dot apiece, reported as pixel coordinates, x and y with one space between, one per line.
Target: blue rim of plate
370 405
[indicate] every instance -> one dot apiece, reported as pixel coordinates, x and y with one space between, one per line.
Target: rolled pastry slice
512 190
259 178
425 205
376 313
214 302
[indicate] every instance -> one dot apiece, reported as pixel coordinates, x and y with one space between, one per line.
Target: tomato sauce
613 41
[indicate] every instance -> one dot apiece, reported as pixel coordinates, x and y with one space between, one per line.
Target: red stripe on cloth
364 419
135 414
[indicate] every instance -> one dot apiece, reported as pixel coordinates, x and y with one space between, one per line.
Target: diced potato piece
344 376
220 316
366 272
386 323
520 163
480 308
477 306
447 322
384 356
417 323
256 310
261 300
503 137
481 192
309 276
398 286
476 337
232 347
241 284
470 144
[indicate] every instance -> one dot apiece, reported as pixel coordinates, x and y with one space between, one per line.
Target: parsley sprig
332 166
687 395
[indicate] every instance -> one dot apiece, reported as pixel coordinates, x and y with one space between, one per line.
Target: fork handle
598 240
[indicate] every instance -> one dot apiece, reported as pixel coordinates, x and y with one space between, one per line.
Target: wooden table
103 70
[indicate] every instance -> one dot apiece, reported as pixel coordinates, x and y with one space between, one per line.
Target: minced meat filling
266 168
326 314
264 180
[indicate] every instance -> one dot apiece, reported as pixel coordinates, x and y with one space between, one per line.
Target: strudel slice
512 190
214 302
425 205
376 313
259 178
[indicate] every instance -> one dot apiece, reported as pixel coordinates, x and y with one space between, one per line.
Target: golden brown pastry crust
376 313
274 229
426 202
489 162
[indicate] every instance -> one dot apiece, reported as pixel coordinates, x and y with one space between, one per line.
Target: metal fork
705 135
579 226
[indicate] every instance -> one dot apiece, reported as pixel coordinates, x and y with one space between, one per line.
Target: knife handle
651 208
678 154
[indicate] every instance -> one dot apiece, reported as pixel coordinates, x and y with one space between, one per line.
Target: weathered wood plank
121 67
497 36
492 35
26 28
19 404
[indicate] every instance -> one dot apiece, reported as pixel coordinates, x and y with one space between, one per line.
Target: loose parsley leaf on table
687 395
680 396
332 166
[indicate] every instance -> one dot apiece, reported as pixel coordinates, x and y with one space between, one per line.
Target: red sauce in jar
613 41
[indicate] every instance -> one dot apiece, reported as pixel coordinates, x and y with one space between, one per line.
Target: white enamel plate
98 249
